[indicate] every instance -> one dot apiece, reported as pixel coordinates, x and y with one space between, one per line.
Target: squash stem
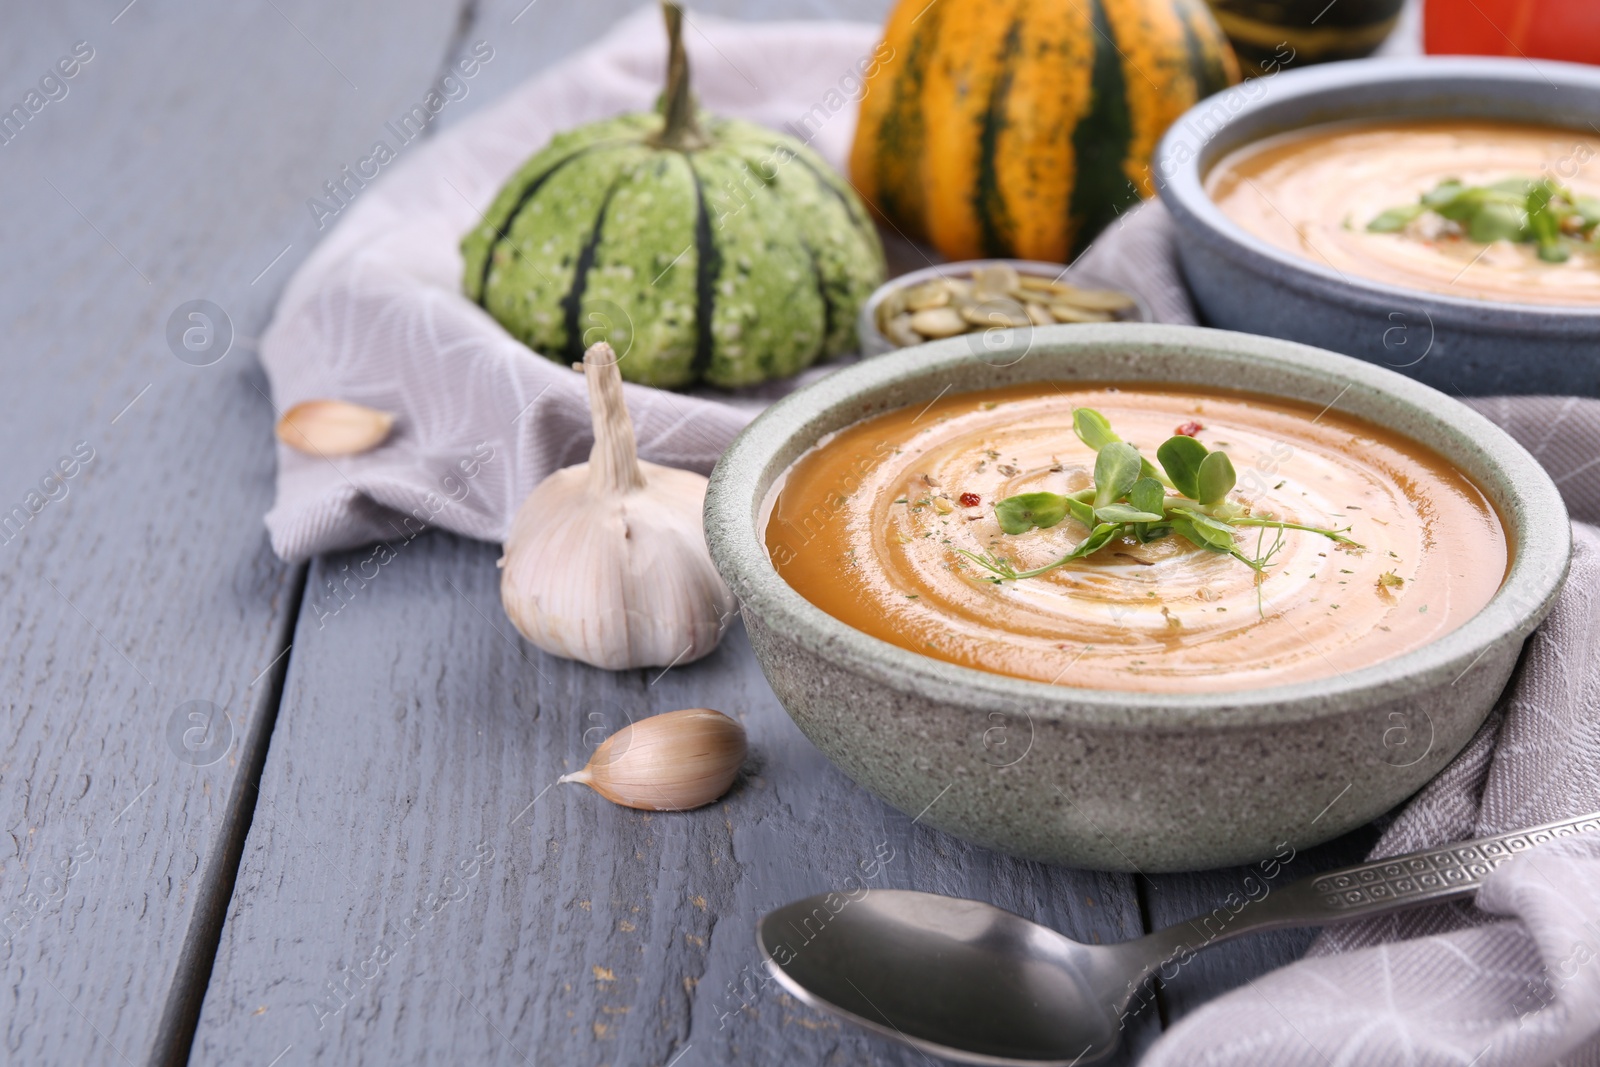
681 131
614 460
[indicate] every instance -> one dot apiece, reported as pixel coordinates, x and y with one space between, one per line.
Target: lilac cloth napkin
375 316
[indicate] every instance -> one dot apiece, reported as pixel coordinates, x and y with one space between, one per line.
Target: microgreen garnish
1019 514
1526 210
1130 496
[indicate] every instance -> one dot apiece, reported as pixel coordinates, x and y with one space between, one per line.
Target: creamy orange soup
1314 191
867 524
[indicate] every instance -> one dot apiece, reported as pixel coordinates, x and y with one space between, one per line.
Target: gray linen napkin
375 316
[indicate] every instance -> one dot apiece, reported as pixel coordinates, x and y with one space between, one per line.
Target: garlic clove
670 762
333 427
606 561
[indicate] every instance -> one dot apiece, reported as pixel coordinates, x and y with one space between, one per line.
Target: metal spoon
967 981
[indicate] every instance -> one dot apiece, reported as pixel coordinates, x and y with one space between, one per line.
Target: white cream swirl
1160 616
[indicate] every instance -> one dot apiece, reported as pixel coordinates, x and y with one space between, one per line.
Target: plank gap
1141 889
181 1015
466 20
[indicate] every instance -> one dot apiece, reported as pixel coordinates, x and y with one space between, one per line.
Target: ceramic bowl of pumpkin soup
1439 216
1150 598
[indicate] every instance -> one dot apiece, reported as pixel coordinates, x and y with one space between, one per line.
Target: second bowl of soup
1438 216
1149 598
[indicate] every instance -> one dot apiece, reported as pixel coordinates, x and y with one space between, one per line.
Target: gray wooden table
234 835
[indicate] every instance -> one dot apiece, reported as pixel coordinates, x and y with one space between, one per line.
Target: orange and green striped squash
1021 128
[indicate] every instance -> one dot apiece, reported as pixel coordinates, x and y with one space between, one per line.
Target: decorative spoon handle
1430 876
1435 874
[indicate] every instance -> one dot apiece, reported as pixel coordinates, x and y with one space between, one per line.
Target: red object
970 500
1532 29
1189 429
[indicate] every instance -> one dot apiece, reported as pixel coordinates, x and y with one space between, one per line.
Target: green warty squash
703 249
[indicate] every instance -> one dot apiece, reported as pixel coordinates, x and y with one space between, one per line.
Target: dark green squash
703 249
1269 35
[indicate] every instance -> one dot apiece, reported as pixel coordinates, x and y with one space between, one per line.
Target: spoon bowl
973 983
956 978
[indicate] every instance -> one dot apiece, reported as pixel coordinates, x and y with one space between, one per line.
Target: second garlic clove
670 762
333 428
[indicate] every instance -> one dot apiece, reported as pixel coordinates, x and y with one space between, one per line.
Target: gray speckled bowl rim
1182 188
747 469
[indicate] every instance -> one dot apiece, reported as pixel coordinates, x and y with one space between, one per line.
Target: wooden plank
173 165
530 36
415 889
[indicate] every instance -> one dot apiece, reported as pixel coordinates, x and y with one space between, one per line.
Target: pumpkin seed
927 295
995 280
938 322
999 312
900 331
1073 313
1095 299
1040 284
962 301
1038 314
892 305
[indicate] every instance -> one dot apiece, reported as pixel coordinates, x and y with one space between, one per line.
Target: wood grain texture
528 37
174 167
418 736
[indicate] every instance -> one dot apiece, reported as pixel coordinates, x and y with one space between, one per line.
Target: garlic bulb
670 762
333 427
607 560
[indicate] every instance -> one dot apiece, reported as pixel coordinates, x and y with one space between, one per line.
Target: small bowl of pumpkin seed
951 299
